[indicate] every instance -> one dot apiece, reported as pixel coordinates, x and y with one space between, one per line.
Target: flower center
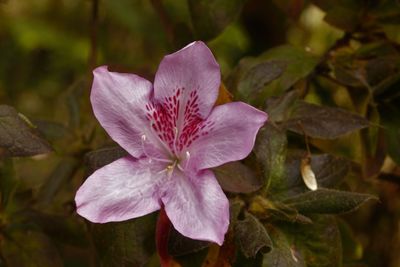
174 161
173 113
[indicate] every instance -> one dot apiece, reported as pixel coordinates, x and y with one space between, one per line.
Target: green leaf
323 122
29 249
328 201
270 150
210 18
129 243
18 136
103 156
252 236
8 183
237 178
284 253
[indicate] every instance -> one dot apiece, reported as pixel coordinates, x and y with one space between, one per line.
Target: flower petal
124 189
227 135
193 68
197 206
119 103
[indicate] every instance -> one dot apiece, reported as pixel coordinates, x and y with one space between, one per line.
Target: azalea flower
174 135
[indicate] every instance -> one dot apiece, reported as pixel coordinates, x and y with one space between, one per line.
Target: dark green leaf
292 8
328 201
284 253
287 65
252 236
235 209
242 261
52 130
103 156
237 178
73 99
319 243
8 183
391 121
352 248
276 211
387 12
329 172
63 229
129 243
29 249
299 64
323 122
179 245
270 150
210 18
18 136
259 75
195 259
342 14
57 179
280 108
374 66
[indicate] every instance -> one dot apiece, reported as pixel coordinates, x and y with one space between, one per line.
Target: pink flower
174 136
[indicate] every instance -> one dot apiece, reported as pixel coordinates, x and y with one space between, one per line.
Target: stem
162 236
165 20
305 140
93 35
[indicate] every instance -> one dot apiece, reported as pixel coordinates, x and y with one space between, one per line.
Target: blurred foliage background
300 60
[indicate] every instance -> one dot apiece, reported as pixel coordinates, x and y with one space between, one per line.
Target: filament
152 157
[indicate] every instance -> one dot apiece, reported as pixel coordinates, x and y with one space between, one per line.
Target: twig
165 20
93 35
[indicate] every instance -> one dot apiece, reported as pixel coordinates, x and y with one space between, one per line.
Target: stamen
186 162
187 158
152 157
162 171
179 167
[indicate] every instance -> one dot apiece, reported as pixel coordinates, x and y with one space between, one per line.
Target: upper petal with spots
119 103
